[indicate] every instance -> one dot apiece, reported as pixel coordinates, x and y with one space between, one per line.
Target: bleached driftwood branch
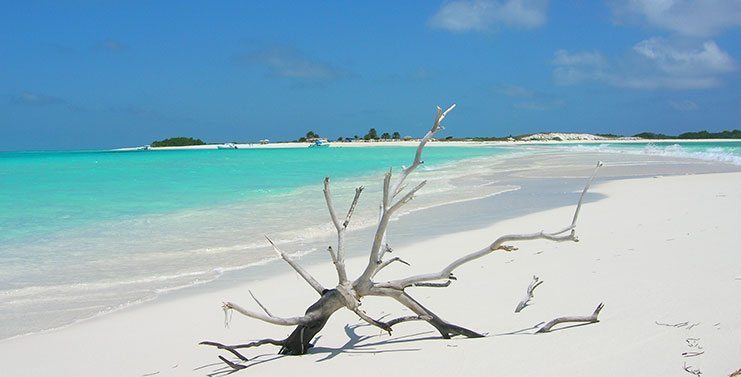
576 319
530 288
348 294
297 267
338 256
499 244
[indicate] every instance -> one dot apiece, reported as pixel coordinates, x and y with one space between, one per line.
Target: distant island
735 134
373 136
177 142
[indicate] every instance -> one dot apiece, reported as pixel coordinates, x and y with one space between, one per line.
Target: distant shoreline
436 143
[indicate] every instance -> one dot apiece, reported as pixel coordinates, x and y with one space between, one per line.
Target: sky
105 74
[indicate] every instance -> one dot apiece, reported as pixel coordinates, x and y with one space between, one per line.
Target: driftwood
574 319
348 294
529 295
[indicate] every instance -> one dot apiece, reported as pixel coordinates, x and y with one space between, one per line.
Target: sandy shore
656 250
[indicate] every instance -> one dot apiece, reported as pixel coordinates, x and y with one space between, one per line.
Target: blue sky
101 74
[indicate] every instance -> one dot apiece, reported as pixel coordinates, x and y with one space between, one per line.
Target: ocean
90 232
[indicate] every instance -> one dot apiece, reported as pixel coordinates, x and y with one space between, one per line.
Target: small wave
719 154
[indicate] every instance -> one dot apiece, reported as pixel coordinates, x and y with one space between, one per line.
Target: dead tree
348 294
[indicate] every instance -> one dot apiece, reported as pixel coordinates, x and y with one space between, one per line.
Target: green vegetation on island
373 135
735 134
177 142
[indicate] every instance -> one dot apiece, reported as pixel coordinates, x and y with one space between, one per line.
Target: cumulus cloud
654 63
485 15
708 58
699 18
36 99
284 61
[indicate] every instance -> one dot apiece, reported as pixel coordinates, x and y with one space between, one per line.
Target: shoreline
570 171
415 143
162 324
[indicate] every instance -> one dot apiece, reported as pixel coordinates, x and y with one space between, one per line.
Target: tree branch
354 203
233 349
260 304
408 318
390 193
309 279
584 319
292 321
526 301
496 245
330 206
365 317
388 262
338 257
433 285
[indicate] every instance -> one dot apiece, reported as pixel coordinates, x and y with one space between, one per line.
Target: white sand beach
661 253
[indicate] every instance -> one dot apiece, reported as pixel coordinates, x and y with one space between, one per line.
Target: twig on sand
680 324
690 370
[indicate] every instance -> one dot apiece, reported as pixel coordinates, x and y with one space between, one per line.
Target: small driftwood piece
349 293
574 319
526 301
689 369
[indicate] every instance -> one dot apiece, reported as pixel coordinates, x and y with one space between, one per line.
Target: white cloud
684 105
700 18
485 15
709 58
515 91
36 99
283 61
563 57
654 63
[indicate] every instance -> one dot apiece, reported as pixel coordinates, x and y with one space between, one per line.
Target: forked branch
499 244
338 256
389 194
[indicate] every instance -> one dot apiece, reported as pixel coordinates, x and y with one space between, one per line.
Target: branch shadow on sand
356 344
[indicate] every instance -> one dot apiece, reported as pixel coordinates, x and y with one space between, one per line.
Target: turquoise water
44 192
85 233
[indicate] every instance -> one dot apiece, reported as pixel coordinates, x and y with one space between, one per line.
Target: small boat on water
227 146
319 143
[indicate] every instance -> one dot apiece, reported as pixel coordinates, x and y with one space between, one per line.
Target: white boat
320 143
227 146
